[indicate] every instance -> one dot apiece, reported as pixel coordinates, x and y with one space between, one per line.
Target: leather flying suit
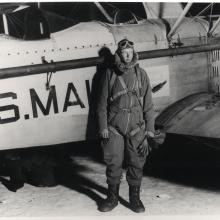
121 112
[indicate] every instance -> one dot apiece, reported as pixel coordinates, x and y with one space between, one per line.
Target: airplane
49 76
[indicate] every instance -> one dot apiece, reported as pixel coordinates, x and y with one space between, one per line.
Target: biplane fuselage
53 108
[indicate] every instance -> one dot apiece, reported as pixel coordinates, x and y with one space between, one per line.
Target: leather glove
158 139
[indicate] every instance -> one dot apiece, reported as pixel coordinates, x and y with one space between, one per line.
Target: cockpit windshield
136 8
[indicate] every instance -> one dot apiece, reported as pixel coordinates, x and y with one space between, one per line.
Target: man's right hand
105 133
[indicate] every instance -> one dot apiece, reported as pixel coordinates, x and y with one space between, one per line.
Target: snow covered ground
177 181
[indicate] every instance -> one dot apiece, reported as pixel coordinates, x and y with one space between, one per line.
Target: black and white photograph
109 109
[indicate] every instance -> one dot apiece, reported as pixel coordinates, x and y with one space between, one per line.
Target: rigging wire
197 16
204 10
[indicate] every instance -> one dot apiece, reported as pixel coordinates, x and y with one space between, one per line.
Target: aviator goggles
125 44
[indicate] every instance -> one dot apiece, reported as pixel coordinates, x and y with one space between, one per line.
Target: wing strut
104 12
214 26
179 20
145 8
5 22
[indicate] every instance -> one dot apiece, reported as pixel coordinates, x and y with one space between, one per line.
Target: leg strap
113 130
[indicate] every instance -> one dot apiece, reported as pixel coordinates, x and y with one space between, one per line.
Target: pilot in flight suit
126 117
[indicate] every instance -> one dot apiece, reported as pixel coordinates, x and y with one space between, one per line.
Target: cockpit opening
35 25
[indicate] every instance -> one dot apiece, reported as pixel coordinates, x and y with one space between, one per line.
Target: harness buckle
132 92
126 110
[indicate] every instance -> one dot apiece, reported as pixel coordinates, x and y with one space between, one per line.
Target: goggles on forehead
125 44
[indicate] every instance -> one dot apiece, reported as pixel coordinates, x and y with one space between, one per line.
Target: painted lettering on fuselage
52 106
8 108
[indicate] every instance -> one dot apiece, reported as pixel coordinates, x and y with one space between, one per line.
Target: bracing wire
199 14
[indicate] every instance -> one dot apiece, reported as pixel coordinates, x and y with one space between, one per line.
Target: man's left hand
156 139
149 134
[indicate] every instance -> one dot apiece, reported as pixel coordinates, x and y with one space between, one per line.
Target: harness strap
131 133
113 130
112 82
122 83
125 89
136 130
123 92
137 71
138 85
130 106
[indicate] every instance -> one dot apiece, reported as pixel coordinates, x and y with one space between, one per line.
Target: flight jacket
127 72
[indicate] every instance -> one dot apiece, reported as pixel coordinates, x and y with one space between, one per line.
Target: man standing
126 117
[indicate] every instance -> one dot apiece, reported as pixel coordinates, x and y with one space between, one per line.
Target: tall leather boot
112 199
134 197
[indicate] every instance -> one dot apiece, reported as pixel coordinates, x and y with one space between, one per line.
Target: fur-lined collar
123 67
